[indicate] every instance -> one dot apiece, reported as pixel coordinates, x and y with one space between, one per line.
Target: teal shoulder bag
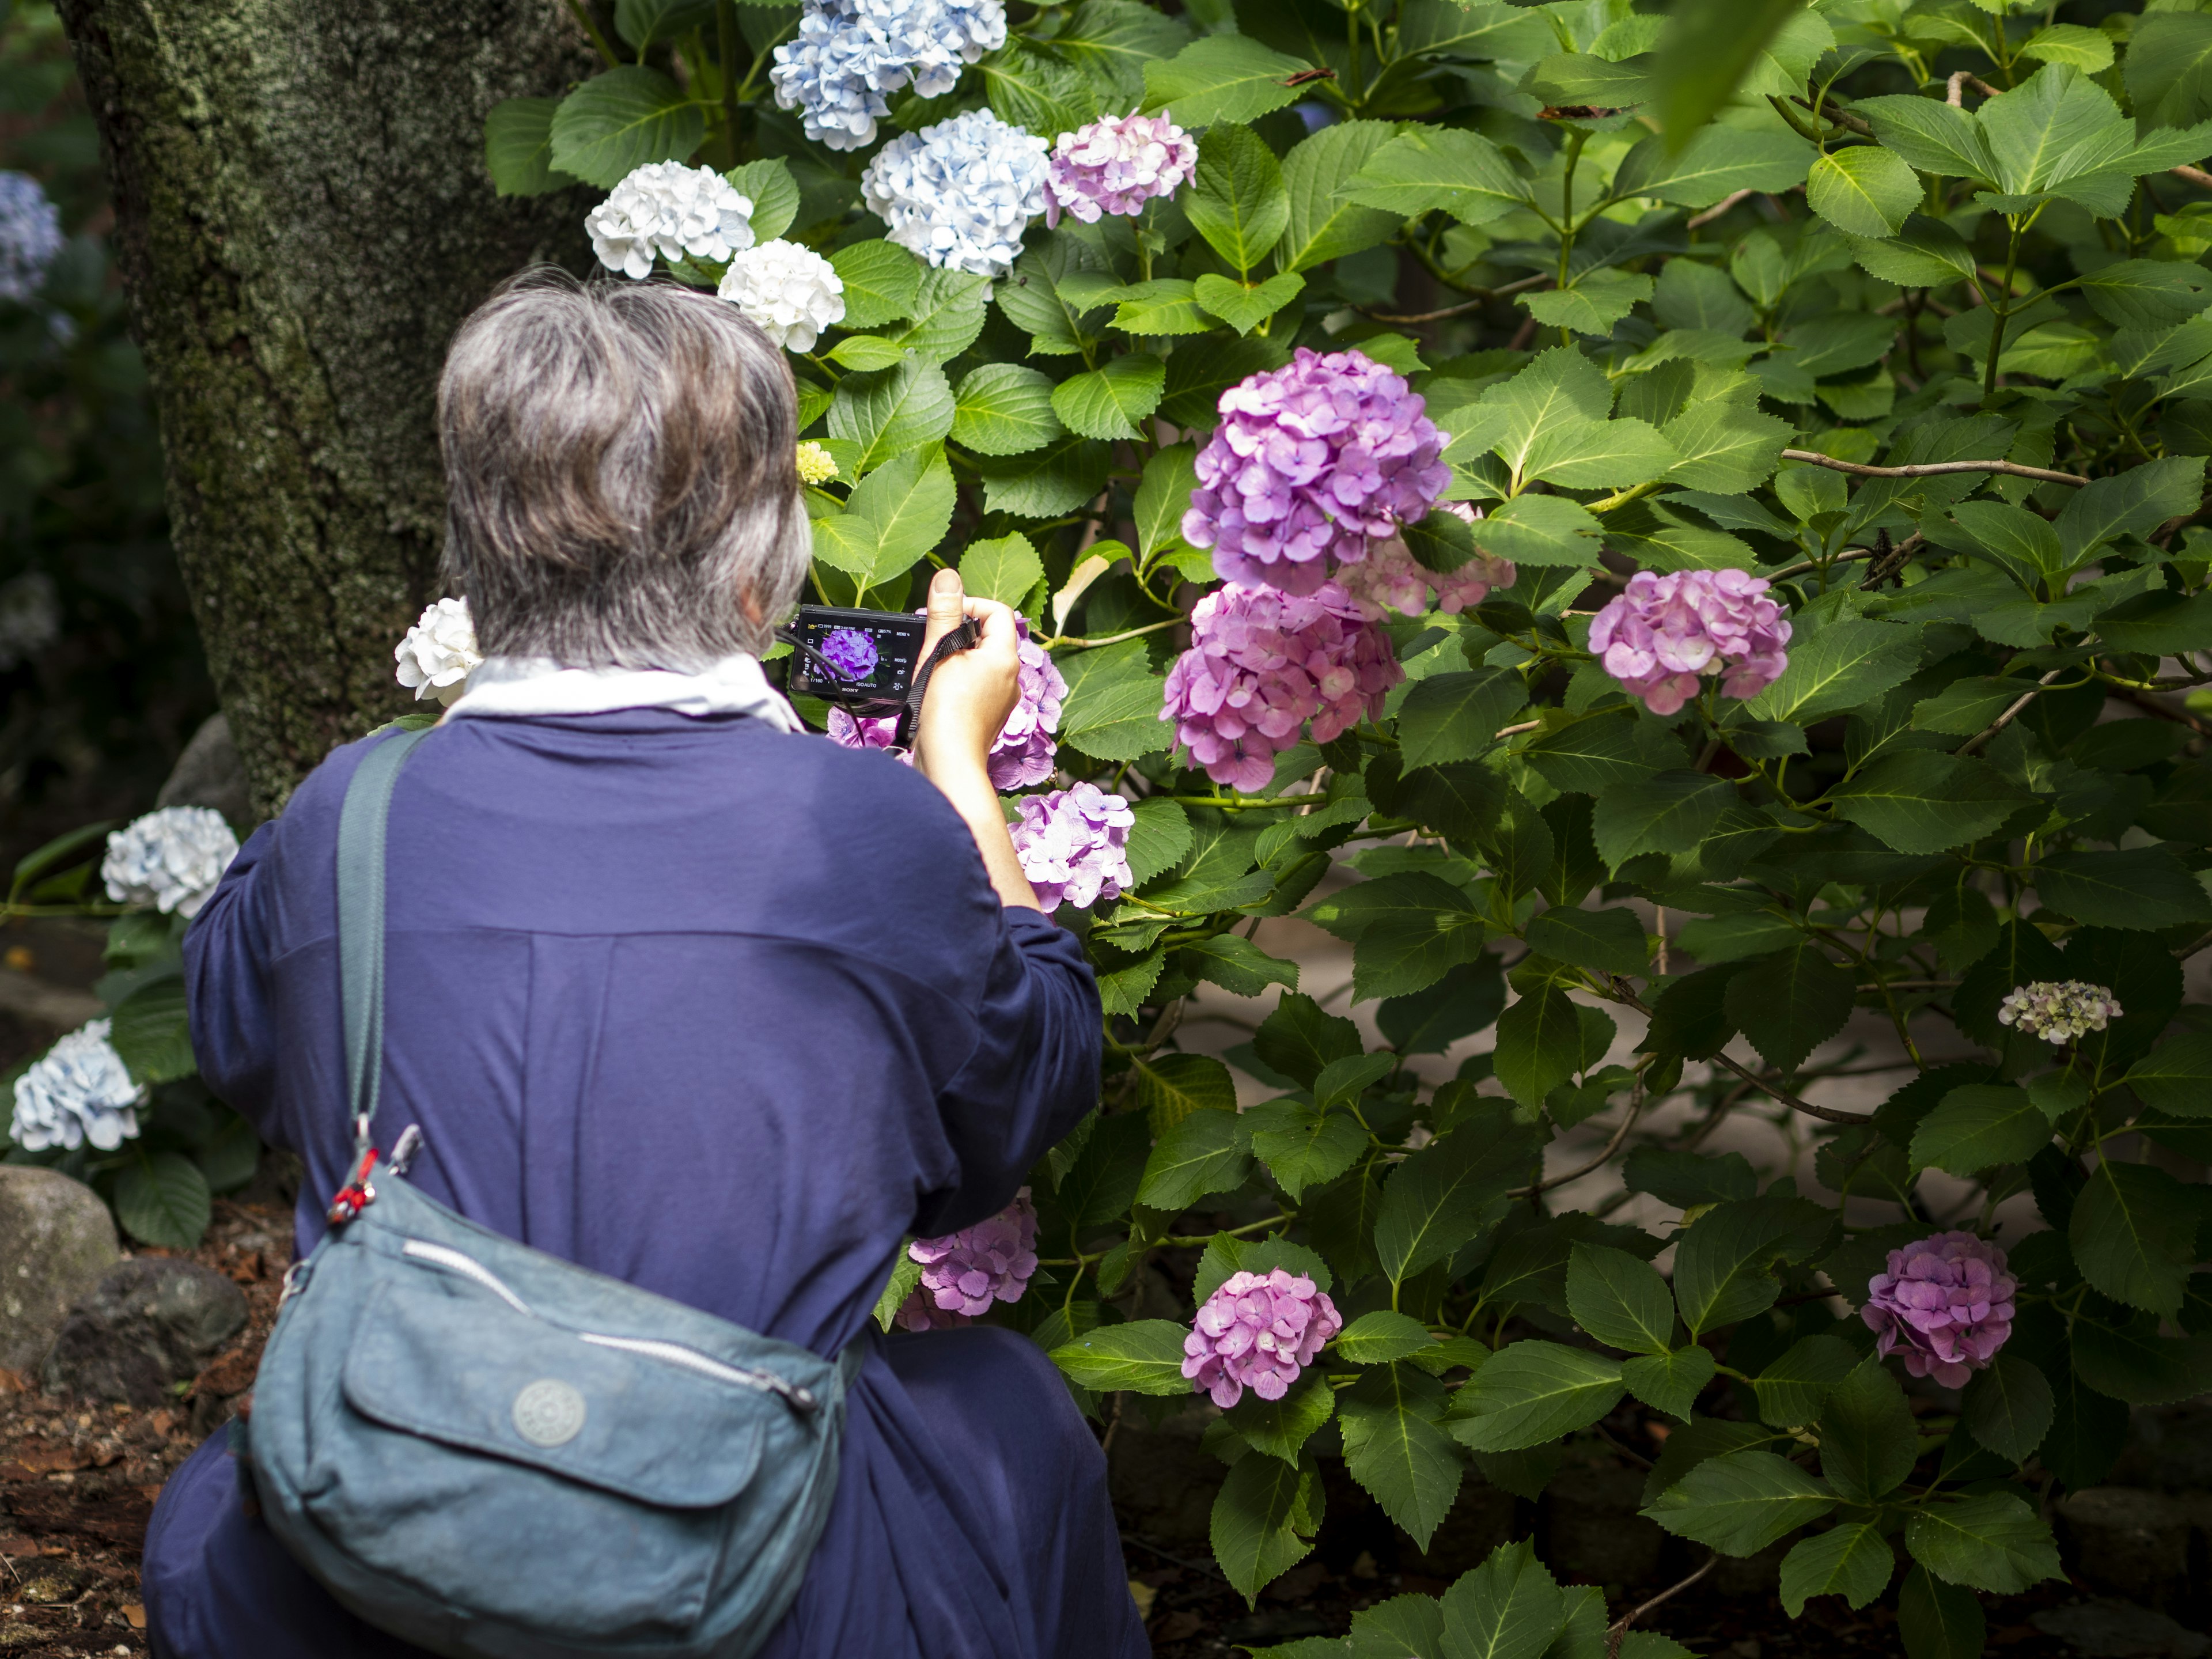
487 1450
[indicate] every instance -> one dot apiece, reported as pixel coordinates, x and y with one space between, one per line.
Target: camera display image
856 656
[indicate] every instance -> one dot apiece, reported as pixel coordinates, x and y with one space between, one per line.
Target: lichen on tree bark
303 218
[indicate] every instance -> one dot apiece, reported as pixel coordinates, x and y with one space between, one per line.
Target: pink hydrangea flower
852 732
1945 1306
1311 462
1663 633
964 1272
1074 845
1024 752
1260 664
1116 165
1260 1329
1391 578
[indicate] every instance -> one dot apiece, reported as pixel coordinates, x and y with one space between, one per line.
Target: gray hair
620 483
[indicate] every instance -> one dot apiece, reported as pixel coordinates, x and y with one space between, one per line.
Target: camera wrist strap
965 637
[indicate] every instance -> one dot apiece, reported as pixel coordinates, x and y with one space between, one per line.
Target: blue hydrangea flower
959 194
848 53
30 236
79 1091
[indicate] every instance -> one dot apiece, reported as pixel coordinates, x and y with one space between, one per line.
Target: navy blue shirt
723 1012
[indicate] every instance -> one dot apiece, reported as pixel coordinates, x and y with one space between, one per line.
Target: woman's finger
948 604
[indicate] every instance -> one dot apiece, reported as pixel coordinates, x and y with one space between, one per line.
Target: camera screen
864 654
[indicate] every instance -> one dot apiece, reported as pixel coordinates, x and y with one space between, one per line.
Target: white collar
514 686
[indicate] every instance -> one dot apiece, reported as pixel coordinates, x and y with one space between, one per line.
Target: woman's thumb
946 600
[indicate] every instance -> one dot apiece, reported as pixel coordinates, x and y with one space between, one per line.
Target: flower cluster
1391 578
817 465
1116 165
1261 1329
170 858
79 1091
959 194
1074 846
1662 633
1945 1306
440 652
30 237
675 212
2058 1011
865 732
851 653
848 53
1022 753
30 617
963 1273
1310 464
789 292
1261 663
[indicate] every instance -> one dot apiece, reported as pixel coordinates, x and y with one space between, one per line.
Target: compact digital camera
868 663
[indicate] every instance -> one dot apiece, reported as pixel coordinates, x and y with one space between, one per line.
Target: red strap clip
357 1194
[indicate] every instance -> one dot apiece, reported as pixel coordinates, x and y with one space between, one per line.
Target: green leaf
1198 1154
1439 1201
1301 1146
1725 447
1116 38
1670 1383
1599 454
152 1034
882 281
906 1275
2169 68
1280 1428
619 120
1540 1042
1716 163
1324 223
2134 1234
892 412
1592 305
1867 1443
866 351
1378 1338
1508 1608
2009 1407
775 194
1938 1620
1159 839
1609 941
641 23
1108 402
1428 167
1220 78
1455 716
1706 51
1166 305
1164 496
1040 93
1992 1542
1847 664
2176 1076
1920 801
1620 1300
1740 1503
1660 812
1724 1262
1238 966
1854 1561
1267 1511
1926 254
1532 1392
519 147
1049 482
1245 307
1113 704
1590 756
1404 949
1794 1387
1978 1126
1172 1087
1393 1447
1866 191
1236 201
1535 530
946 315
1403 1627
906 504
1004 569
2137 887
1791 1002
162 1199
2131 1361
2129 504
1142 1357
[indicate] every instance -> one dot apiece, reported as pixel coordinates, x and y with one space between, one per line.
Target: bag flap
436 1356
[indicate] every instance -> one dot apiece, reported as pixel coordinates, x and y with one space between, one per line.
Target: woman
679 993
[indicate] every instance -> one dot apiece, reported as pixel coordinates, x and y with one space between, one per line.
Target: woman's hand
964 708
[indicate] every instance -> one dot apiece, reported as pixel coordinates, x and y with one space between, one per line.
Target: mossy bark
303 218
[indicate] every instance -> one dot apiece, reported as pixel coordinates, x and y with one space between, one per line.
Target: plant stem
598 40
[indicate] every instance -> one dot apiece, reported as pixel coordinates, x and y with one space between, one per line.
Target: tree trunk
303 217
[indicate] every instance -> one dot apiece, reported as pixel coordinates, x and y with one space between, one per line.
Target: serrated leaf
1236 200
1532 1392
1221 78
2133 1235
1508 1608
1920 801
1658 813
1170 1087
1435 1203
1394 1448
1280 1428
1142 1357
1004 569
162 1199
1109 402
1004 409
1670 1383
2009 1407
1245 307
1845 664
1740 1503
1723 1264
1164 496
1866 191
1867 1443
881 281
1378 1338
1265 1517
620 120
1854 1561
892 412
1462 172
519 147
775 194
1790 1003
1324 224
1198 1152
1979 1125
152 1034
1793 1387
1621 1300
1992 1542
1044 483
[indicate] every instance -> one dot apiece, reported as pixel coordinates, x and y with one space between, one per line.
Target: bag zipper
674 1353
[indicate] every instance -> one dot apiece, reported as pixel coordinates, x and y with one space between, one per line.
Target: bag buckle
357 1194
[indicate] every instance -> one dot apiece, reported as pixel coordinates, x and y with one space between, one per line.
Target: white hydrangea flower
440 652
79 1091
960 194
2060 1011
817 465
170 858
848 53
668 209
792 292
30 618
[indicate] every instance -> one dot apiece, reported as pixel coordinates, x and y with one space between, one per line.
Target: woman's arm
970 695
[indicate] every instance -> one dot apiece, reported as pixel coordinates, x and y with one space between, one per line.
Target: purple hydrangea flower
964 1272
1663 633
1116 165
1391 578
1311 462
1261 663
850 652
865 732
1074 845
2058 1011
1022 754
1261 1329
1945 1306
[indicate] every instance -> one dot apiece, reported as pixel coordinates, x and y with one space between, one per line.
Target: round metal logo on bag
549 1414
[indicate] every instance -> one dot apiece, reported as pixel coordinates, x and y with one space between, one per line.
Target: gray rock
56 1240
209 774
150 1323
2107 1628
2169 1449
1590 1529
2129 1542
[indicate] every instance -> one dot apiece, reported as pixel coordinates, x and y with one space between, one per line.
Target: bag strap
360 923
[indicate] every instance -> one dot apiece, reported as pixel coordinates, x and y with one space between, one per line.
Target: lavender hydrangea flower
1116 165
1945 1306
2058 1011
1311 463
959 194
1261 663
866 732
30 237
440 652
850 652
675 212
1074 846
79 1091
1663 633
1024 752
964 1272
1391 578
848 53
1260 1330
170 858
